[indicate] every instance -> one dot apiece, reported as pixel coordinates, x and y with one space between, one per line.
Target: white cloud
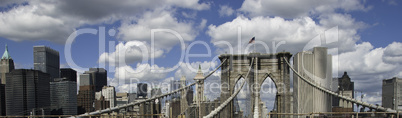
191 15
368 66
393 53
56 20
202 24
142 72
225 11
295 33
24 23
129 52
141 29
364 60
340 31
297 8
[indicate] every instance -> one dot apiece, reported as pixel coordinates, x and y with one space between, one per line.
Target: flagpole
254 45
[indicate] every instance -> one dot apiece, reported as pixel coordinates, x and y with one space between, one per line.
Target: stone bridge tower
268 65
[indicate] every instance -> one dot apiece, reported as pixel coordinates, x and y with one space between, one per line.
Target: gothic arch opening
268 93
241 102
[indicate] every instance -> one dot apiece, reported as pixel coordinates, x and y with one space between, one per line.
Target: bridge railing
336 115
89 116
371 106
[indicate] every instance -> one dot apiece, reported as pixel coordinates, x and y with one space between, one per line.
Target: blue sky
368 35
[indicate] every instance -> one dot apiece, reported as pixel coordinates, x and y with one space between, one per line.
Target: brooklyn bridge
311 95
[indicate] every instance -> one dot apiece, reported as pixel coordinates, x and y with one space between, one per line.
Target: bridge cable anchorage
147 100
338 95
220 107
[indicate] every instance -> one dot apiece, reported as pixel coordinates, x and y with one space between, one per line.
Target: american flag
251 40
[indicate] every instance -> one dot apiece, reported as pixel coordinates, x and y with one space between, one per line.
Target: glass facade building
27 92
47 60
63 97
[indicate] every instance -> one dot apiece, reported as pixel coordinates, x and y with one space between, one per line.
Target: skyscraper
86 94
142 90
391 93
90 82
63 97
109 93
6 65
47 60
85 99
316 66
27 91
69 74
199 78
99 77
345 87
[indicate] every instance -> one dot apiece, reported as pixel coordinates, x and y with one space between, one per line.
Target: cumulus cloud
130 52
225 10
168 30
142 72
56 20
393 53
24 23
277 34
364 60
368 66
296 8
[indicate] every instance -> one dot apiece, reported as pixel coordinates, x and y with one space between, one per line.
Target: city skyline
368 31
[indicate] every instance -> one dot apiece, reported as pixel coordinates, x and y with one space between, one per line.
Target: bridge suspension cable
338 95
150 99
220 107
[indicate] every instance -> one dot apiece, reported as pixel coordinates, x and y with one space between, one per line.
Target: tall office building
316 66
199 86
345 87
90 82
6 65
85 99
142 90
99 77
47 60
27 91
391 93
109 94
86 94
69 74
63 97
